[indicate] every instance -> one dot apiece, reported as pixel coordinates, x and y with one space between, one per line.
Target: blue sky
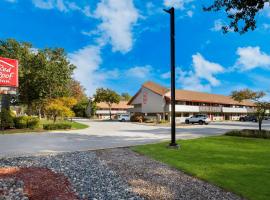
122 43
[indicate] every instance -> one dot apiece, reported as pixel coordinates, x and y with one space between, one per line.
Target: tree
77 91
261 106
240 13
108 96
60 107
80 108
125 96
43 74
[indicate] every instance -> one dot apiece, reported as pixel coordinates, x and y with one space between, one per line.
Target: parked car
200 119
248 118
124 117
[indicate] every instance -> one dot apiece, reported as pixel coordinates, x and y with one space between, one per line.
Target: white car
200 119
124 117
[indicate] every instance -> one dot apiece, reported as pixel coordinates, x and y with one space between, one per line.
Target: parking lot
108 134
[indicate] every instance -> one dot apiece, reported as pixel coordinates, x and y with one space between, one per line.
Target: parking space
107 134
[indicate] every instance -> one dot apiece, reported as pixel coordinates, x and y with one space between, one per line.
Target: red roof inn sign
8 72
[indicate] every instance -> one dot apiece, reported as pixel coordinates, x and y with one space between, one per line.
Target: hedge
26 122
56 126
250 133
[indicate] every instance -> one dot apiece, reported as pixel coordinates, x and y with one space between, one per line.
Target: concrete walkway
101 135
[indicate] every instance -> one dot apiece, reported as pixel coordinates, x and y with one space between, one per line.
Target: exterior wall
150 102
105 114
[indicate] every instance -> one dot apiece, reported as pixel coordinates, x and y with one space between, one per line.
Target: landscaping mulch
40 183
154 180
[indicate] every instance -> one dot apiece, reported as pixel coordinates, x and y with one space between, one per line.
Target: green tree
108 96
125 96
241 14
43 74
261 106
80 108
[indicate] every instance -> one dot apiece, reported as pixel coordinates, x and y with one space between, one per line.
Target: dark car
249 118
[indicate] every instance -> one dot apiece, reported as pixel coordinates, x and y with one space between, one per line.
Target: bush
26 122
137 117
20 122
56 126
250 133
33 122
163 121
6 118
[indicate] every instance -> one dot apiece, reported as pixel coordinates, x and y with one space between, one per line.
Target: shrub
26 122
6 119
137 117
250 133
56 126
163 121
20 122
33 122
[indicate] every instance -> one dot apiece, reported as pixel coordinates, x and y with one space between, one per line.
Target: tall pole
172 37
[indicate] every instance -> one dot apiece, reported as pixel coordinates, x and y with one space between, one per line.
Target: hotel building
103 111
153 99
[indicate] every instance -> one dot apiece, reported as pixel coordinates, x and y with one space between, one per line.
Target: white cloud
140 71
201 77
62 6
266 9
166 75
177 4
218 24
190 81
251 57
190 13
87 60
118 18
205 69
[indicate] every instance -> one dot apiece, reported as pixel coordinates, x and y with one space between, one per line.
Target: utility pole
173 143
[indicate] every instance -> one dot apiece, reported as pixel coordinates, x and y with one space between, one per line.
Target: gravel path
154 180
113 174
90 177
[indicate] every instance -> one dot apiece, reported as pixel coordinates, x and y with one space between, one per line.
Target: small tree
60 107
261 106
125 96
108 96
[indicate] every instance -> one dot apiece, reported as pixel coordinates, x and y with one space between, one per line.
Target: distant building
104 113
153 99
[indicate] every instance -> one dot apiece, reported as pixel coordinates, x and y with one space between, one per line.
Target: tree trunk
260 124
39 112
110 111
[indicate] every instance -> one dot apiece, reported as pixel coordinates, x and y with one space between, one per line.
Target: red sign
8 72
145 98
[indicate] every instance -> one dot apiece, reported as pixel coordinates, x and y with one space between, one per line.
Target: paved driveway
102 135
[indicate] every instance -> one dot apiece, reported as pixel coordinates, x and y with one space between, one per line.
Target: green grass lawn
240 165
74 126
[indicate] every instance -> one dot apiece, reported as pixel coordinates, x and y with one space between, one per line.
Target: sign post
173 143
9 81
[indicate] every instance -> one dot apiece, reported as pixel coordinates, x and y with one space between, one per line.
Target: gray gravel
154 180
90 177
11 189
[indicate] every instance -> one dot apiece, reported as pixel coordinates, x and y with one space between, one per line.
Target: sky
120 44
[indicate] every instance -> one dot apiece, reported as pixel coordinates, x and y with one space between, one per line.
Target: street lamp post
173 143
